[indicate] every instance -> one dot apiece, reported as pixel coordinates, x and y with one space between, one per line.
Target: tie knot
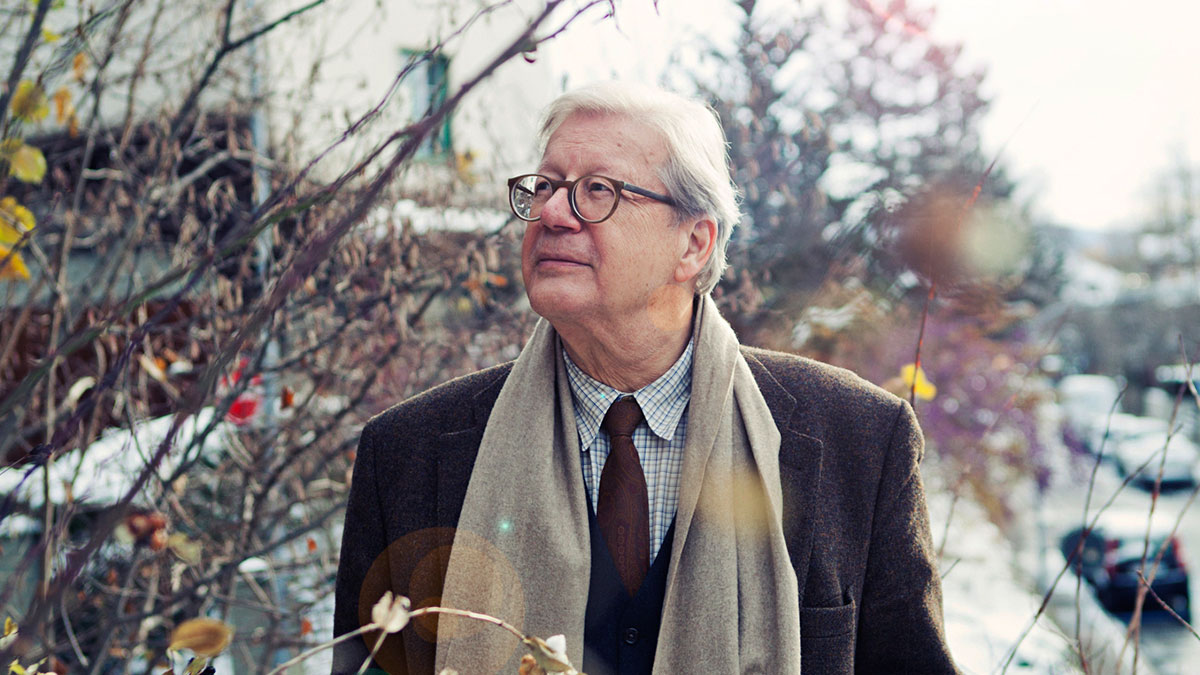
623 417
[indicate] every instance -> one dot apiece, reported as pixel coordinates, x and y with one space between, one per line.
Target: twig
66 619
1146 584
22 57
470 615
374 650
322 647
951 567
228 46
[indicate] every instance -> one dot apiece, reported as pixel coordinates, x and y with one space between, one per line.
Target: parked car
1121 428
1086 401
1111 555
1178 470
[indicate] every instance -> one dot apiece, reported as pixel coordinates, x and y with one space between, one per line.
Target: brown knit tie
623 509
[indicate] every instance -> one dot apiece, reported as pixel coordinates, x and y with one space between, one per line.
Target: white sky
1094 97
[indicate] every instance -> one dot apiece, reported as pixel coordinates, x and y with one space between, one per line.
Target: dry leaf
29 102
206 637
390 613
78 389
550 654
63 106
79 66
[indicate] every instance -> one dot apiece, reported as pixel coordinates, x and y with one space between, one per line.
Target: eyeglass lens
593 197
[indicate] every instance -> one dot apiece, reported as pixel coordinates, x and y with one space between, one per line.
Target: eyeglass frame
555 184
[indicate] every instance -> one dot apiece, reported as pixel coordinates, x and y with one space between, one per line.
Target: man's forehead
603 143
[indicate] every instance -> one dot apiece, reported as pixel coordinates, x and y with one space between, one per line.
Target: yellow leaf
206 637
15 221
28 164
10 633
12 265
63 108
50 36
915 380
196 667
188 550
16 668
29 102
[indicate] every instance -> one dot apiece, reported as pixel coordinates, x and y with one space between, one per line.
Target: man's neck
634 357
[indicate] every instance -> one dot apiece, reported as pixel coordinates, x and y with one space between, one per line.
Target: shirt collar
662 401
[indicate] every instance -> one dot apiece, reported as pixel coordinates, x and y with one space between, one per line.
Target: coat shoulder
447 407
821 385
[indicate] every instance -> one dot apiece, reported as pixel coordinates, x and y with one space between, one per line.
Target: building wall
359 49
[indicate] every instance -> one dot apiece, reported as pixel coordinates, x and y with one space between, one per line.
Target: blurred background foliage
172 264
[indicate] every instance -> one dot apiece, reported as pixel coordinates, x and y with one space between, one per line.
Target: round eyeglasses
592 198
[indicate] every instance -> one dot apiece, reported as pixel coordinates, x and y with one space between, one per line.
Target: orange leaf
289 398
206 637
312 545
306 627
78 66
62 105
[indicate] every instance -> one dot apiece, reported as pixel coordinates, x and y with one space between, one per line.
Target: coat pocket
827 639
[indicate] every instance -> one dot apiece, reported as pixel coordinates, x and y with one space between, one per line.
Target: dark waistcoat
620 633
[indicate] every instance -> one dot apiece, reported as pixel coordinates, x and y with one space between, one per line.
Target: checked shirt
659 439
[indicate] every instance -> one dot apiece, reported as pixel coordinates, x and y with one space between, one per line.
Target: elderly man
670 501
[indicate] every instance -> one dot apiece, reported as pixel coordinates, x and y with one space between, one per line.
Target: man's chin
556 301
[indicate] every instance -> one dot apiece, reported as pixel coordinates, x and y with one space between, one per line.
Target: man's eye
599 187
542 187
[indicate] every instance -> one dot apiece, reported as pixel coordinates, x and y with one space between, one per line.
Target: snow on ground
987 604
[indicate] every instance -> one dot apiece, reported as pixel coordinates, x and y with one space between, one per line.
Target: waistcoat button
631 635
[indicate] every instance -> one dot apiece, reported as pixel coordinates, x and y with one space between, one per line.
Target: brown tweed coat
853 514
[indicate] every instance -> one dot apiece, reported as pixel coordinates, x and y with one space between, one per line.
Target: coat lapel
800 456
456 451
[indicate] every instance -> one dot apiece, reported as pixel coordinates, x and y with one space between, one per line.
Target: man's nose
557 212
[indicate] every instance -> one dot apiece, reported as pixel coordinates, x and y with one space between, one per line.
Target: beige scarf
521 551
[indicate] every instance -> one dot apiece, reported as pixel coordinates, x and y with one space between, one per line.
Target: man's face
584 273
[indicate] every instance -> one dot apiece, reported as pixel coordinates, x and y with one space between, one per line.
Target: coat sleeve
363 541
900 621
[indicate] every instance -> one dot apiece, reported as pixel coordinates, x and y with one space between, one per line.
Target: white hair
696 174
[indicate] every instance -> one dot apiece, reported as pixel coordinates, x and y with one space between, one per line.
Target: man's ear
701 239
